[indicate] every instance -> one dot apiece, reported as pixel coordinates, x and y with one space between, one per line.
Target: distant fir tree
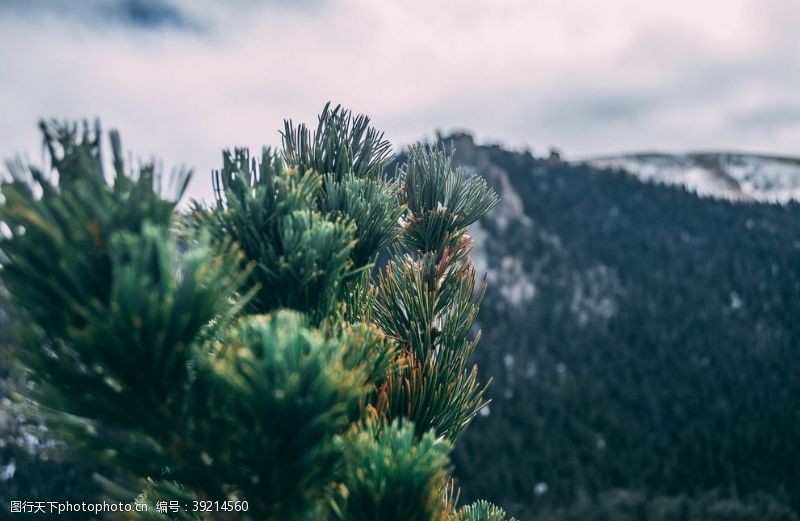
251 350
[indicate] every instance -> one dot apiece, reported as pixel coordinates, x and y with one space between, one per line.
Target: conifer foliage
252 349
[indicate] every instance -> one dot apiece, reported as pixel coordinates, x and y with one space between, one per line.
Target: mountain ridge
725 174
737 176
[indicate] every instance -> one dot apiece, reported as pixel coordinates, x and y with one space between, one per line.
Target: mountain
739 177
642 345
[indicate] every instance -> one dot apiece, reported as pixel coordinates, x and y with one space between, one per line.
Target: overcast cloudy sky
184 78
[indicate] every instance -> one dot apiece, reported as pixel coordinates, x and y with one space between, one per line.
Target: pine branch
391 474
481 511
341 144
274 395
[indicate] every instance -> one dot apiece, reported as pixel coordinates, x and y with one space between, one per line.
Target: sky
184 79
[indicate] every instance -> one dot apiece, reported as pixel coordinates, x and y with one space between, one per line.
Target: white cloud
590 77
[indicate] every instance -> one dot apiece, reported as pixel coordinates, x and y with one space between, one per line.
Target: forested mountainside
643 345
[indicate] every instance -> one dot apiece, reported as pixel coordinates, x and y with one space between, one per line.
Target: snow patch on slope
737 177
510 207
594 294
509 278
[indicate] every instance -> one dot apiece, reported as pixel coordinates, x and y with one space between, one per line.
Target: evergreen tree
252 349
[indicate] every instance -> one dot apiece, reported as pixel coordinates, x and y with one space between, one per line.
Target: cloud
137 14
589 77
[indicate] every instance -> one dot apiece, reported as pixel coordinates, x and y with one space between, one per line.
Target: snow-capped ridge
726 175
